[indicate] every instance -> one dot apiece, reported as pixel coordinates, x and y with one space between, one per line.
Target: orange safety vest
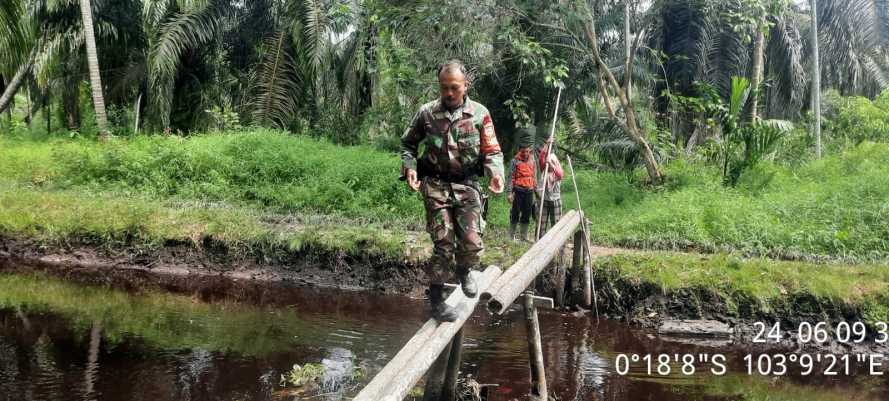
523 176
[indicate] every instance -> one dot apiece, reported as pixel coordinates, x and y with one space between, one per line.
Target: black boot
440 310
467 283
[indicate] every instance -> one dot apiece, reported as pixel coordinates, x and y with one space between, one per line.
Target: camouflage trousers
454 221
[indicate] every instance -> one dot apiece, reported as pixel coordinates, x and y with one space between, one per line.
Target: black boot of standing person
440 311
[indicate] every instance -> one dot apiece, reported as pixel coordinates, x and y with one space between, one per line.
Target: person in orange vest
521 183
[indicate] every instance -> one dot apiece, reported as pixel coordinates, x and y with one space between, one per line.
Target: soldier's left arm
490 147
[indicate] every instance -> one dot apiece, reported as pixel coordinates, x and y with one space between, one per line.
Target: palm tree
13 43
92 59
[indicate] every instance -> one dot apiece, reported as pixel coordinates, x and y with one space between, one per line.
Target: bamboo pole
552 133
509 286
535 350
455 358
589 285
399 376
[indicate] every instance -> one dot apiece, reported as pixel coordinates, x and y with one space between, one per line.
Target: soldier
460 145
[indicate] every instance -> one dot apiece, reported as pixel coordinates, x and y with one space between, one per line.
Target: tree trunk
71 102
629 49
92 59
13 86
758 66
607 82
816 80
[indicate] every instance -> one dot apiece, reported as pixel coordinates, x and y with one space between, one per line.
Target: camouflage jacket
453 141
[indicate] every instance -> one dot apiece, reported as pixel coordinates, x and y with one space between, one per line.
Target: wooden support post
586 260
435 377
449 390
560 283
578 263
589 284
535 350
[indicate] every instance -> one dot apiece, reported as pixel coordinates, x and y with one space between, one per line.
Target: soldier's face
452 88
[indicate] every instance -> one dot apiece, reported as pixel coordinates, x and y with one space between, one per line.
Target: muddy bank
183 268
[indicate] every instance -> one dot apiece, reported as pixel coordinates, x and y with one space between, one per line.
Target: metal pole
535 351
552 133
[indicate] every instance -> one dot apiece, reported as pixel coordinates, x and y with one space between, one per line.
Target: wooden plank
509 287
400 375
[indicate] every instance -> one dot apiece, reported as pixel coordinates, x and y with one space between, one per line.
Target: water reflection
60 341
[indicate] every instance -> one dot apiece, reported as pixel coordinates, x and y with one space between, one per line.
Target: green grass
833 209
836 208
62 216
752 288
270 170
753 388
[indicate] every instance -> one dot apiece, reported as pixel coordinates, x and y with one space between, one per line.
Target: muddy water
65 341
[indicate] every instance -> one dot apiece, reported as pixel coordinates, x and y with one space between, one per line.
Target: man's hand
509 197
496 185
412 182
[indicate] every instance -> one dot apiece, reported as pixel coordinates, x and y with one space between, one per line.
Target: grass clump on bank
65 216
266 169
835 208
746 288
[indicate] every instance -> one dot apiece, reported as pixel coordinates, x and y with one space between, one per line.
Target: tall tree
613 92
92 59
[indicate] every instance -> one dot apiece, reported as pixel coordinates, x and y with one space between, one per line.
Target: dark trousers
522 206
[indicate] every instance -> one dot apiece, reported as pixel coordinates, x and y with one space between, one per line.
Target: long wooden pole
535 350
589 285
508 287
552 133
528 257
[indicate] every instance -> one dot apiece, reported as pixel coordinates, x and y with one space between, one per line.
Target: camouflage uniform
449 171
